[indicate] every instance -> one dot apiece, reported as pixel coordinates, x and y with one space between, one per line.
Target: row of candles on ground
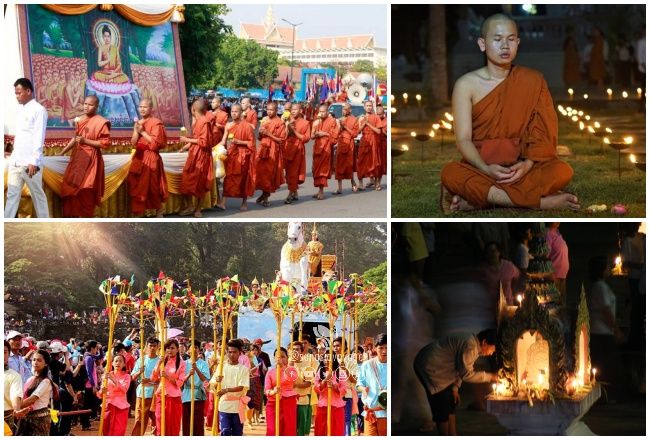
610 93
500 388
405 97
594 129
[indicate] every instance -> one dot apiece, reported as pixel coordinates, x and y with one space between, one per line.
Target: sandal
197 214
288 201
337 192
445 200
186 212
266 203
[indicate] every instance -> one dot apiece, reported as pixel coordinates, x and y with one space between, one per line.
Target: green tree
244 64
363 66
201 37
375 312
381 72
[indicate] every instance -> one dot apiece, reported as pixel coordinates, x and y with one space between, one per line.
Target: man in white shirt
234 384
25 162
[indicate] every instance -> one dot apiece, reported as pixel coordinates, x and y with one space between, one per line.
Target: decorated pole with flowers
226 300
142 357
115 293
279 304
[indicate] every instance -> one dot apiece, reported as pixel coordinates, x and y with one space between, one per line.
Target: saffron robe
251 117
147 181
344 168
240 163
268 160
368 162
219 117
383 141
198 172
322 156
515 121
83 181
293 153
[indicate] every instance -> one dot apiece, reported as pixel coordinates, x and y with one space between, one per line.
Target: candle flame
639 91
618 262
574 118
580 113
606 140
413 134
608 130
632 158
624 95
609 92
520 298
597 124
591 129
570 91
432 134
392 98
628 139
449 116
586 96
560 108
569 109
405 95
418 97
405 147
582 125
435 126
393 110
587 117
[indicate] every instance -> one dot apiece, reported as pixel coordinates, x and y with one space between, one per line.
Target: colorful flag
271 90
324 91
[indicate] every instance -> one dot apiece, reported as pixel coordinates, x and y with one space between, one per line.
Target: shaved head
235 106
485 27
146 101
199 106
94 98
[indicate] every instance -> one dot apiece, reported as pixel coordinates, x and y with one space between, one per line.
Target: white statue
294 265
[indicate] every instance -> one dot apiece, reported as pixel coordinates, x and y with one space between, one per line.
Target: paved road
366 204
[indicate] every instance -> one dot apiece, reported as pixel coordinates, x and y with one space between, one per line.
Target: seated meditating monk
109 62
506 130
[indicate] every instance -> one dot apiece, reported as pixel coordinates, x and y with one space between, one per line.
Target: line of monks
265 164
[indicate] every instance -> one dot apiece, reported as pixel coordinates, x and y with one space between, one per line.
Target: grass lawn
415 182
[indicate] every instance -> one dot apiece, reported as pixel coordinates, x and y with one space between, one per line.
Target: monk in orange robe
344 168
506 131
147 181
239 139
383 140
571 59
368 162
249 113
198 173
293 153
597 67
323 132
220 119
268 161
83 181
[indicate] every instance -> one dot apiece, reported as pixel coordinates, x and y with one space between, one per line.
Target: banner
101 53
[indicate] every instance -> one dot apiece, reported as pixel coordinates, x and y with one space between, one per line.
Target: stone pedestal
544 418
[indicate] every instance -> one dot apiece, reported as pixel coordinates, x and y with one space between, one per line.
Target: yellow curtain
131 14
69 9
112 180
143 19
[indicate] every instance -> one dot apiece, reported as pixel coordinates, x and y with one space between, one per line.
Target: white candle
609 94
520 298
570 94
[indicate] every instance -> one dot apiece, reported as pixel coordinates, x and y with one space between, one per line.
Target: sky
344 19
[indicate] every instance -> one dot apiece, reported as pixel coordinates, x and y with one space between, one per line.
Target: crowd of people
75 380
260 155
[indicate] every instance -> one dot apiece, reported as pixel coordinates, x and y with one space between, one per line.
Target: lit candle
574 118
393 110
405 96
449 117
624 94
586 96
580 113
581 125
418 97
392 98
597 124
405 147
609 94
494 389
435 126
632 158
413 134
520 298
587 117
593 370
628 139
618 266
639 92
540 379
432 134
570 94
